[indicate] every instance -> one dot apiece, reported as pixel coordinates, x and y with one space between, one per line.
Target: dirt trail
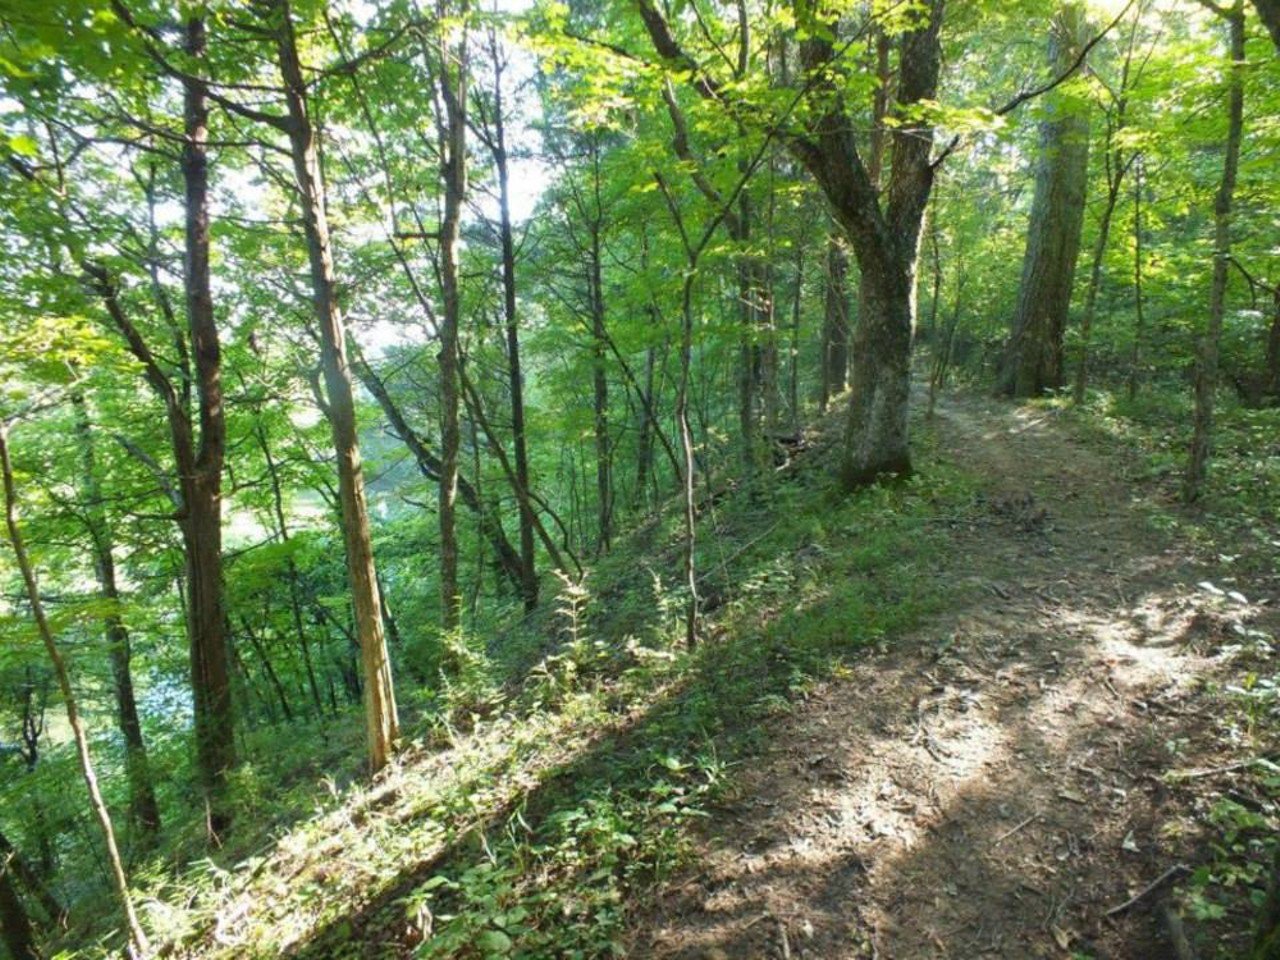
993 784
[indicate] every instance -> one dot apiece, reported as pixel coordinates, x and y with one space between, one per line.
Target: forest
705 479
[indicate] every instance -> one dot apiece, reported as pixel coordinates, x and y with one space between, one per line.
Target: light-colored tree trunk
138 945
382 724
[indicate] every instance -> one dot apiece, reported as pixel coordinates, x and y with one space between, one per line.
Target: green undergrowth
540 798
1235 527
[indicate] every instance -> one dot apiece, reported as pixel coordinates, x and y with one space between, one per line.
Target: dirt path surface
994 784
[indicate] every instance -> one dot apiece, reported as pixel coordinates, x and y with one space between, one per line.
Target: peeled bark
1207 349
1034 361
382 724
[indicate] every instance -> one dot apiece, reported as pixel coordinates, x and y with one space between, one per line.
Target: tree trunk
835 322
686 447
382 723
876 432
15 925
16 864
1269 11
515 379
200 471
453 152
1139 320
138 945
1207 353
1091 295
793 350
1273 346
144 811
1034 360
600 391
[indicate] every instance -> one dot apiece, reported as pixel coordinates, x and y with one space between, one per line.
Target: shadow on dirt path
995 783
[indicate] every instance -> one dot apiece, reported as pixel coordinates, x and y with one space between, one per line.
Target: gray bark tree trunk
1033 362
453 152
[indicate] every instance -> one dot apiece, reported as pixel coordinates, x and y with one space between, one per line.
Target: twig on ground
1177 871
782 937
1214 771
1010 832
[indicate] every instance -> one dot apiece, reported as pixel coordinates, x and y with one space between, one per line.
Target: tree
884 234
453 70
382 723
1206 375
138 945
1034 361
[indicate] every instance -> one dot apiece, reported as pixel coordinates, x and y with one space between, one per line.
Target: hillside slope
937 719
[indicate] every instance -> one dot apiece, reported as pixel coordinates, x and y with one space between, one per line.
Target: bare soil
996 783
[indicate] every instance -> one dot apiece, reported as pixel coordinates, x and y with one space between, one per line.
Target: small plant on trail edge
559 889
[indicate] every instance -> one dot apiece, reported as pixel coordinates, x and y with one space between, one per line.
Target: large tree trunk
876 431
143 808
1034 361
1269 11
15 925
137 939
1207 350
382 724
200 477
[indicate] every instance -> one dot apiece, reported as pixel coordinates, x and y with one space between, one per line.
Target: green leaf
24 145
494 943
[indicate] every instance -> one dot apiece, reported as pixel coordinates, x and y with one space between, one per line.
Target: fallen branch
1214 771
1176 872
